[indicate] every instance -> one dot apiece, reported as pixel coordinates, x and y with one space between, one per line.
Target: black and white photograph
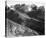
24 18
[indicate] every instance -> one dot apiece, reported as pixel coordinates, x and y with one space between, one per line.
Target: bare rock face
16 29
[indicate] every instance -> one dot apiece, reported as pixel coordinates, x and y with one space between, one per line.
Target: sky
28 2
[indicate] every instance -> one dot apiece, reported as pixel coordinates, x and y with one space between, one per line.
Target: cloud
13 2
